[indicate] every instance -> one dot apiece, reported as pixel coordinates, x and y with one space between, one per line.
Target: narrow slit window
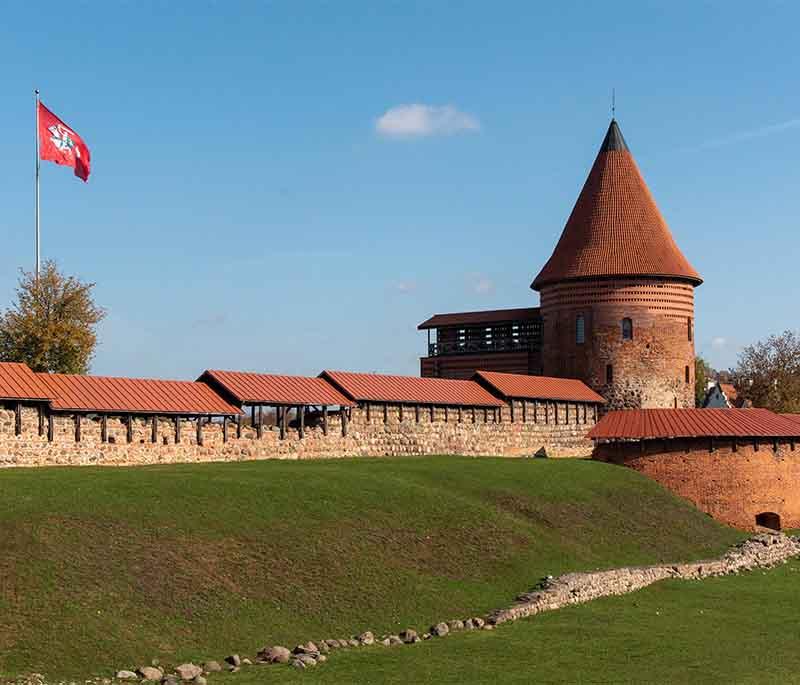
627 329
686 374
609 374
580 329
689 327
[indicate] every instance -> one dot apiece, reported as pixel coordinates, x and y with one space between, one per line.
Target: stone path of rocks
761 551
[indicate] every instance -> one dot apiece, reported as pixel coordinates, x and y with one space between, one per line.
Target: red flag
60 144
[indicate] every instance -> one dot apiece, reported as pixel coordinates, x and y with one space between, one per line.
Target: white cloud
405 287
418 121
718 343
741 136
480 284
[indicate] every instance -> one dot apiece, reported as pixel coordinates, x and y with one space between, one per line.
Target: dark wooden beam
368 413
325 420
77 427
200 431
253 415
460 413
154 430
344 421
485 415
50 427
224 429
385 412
177 429
239 426
400 411
524 411
432 412
283 411
40 409
446 413
416 413
301 421
473 415
511 404
259 423
535 411
129 434
18 419
104 428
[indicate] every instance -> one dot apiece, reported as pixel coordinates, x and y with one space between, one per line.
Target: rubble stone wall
559 428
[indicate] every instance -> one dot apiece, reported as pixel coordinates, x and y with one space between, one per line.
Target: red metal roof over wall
18 382
615 228
492 316
133 395
411 390
539 387
792 417
262 388
643 424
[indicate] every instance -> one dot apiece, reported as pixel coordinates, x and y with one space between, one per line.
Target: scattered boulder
233 660
469 624
487 626
353 642
455 625
409 636
321 658
212 667
366 638
394 640
170 679
246 662
323 646
151 673
478 622
426 636
200 680
307 659
275 655
440 629
296 663
188 671
307 648
126 675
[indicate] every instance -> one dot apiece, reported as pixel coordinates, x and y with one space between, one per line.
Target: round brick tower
617 295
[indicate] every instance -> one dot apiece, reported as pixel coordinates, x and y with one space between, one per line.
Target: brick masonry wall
649 370
732 485
558 428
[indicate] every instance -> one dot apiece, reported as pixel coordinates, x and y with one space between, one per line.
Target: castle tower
617 295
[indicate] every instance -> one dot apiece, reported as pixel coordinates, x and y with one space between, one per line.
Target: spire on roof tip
614 142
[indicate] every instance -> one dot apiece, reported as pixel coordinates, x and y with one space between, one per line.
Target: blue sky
261 200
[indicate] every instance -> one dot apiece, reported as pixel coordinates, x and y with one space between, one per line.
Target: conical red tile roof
615 228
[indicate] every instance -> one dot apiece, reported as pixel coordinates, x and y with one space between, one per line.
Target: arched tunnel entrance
768 519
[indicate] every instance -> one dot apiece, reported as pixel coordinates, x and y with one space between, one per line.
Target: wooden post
485 415
460 413
735 445
511 403
77 427
239 426
154 430
281 412
325 420
177 429
50 427
200 431
385 412
130 428
524 411
224 429
253 415
18 419
104 428
257 415
344 421
301 421
368 413
535 411
433 412
41 419
446 413
416 413
473 415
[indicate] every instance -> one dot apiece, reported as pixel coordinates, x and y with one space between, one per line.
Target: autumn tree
768 373
52 325
702 374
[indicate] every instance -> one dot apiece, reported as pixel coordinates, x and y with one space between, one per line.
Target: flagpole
36 92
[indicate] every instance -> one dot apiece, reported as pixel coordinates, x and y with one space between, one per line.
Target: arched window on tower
580 329
686 374
627 329
689 327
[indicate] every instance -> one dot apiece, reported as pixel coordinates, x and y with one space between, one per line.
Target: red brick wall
732 486
649 370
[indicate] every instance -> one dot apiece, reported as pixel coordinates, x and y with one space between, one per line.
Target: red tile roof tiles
474 318
410 389
643 424
262 388
18 382
133 395
615 228
520 386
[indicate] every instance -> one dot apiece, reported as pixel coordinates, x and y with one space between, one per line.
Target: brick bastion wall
733 481
370 430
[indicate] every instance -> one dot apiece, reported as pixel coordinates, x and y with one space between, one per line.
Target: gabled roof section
372 387
648 424
110 395
520 386
615 228
262 388
491 316
18 382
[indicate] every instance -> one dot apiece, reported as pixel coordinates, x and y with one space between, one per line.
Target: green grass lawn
736 629
104 568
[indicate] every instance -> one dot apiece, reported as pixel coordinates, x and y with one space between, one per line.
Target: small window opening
580 330
686 374
609 374
689 328
627 329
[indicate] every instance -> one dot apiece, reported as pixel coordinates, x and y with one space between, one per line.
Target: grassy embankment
108 568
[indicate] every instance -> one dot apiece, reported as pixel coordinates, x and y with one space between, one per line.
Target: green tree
702 374
52 325
768 373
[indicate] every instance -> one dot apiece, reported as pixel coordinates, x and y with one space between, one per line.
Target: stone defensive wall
84 420
741 466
